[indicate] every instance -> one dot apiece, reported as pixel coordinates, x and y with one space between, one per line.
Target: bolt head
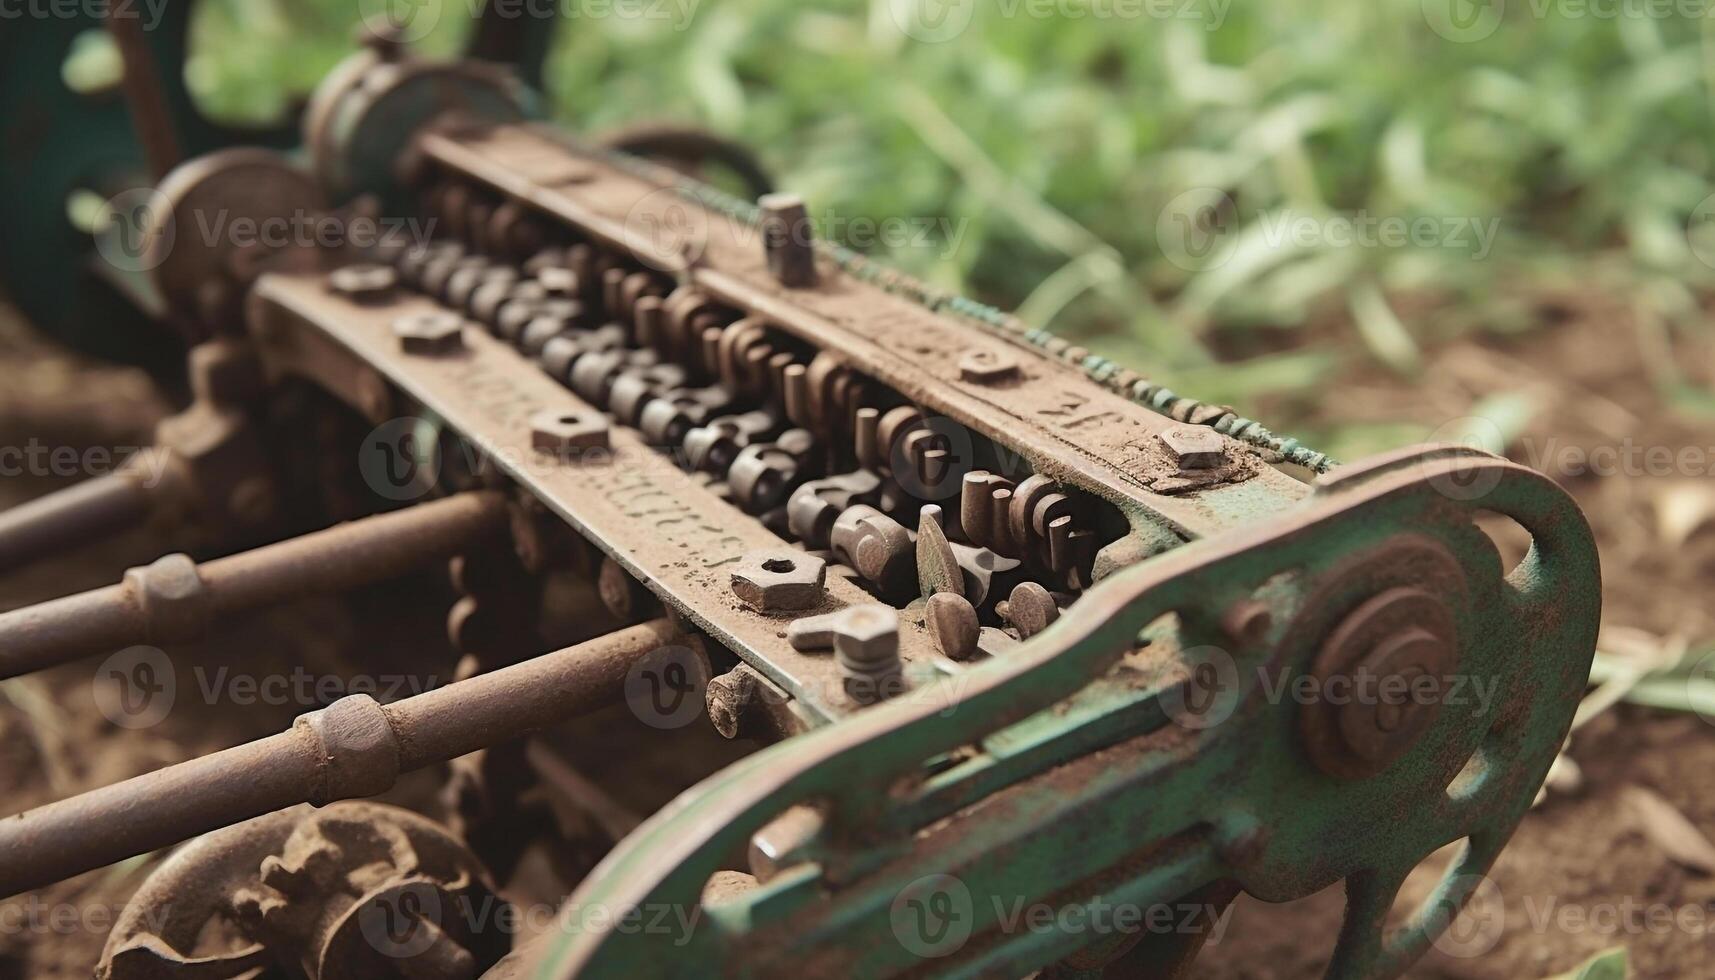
768 581
867 636
987 367
560 432
787 240
1194 447
364 283
430 333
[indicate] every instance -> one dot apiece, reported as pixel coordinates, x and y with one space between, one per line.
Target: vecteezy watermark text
35 458
148 12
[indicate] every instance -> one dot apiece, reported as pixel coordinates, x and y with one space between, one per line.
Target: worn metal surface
353 890
976 580
632 502
175 599
1071 833
1050 415
351 749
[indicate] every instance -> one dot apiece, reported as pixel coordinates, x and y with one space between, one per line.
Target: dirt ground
1586 871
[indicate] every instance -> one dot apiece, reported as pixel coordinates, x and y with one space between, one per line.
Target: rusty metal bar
79 513
174 599
353 748
151 117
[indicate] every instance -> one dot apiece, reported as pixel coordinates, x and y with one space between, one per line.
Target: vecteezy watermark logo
134 231
1464 21
930 459
666 228
666 687
405 20
1475 929
1467 483
1210 693
400 459
1700 231
1196 229
932 916
401 921
136 687
932 21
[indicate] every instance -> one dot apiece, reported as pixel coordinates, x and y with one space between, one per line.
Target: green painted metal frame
1152 818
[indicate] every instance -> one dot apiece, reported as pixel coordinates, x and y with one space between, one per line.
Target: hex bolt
366 284
560 432
1194 447
1030 608
786 240
866 644
770 581
439 332
953 625
987 367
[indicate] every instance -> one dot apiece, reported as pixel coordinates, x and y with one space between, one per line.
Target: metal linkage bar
354 748
79 513
174 599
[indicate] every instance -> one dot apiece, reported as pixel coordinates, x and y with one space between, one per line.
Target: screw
1194 447
986 367
786 240
559 432
365 284
952 622
439 332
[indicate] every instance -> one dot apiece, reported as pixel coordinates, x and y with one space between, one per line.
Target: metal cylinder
174 599
82 512
350 749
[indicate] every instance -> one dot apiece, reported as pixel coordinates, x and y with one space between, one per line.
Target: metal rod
175 599
81 512
353 748
151 116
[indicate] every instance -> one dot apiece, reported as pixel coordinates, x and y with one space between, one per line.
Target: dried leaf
1669 829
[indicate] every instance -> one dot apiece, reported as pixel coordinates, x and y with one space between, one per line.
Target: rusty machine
991 622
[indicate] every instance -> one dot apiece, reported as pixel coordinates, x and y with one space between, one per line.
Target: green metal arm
1166 807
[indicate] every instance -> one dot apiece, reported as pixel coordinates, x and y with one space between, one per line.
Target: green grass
1056 146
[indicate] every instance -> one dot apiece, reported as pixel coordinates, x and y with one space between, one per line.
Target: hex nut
768 581
1194 447
987 367
561 432
867 637
364 283
439 332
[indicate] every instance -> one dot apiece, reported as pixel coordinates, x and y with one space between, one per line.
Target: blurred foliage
1064 148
